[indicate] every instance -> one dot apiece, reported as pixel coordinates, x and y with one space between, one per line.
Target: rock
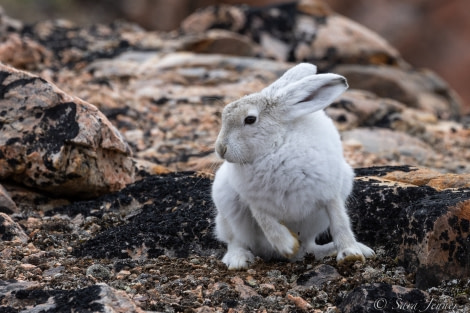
390 144
298 31
244 290
385 298
319 276
26 199
342 41
231 17
434 179
10 291
392 133
24 53
436 239
96 298
159 223
10 230
430 227
7 205
71 45
219 41
98 271
417 89
58 143
359 108
299 302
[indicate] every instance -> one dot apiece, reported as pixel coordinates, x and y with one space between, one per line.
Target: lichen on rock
58 143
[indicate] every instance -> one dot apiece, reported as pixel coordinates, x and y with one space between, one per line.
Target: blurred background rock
428 33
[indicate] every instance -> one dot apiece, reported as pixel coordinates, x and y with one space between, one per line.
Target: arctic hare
284 180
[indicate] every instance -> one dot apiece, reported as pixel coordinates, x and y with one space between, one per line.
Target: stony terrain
106 161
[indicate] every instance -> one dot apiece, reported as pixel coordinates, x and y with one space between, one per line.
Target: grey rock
319 276
417 89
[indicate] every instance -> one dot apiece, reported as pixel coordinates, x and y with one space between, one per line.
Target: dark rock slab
427 229
436 238
376 205
166 215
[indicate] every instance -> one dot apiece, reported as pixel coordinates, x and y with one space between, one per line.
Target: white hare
284 180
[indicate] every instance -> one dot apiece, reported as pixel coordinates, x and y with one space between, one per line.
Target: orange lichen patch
207 175
150 167
462 210
160 170
431 178
418 177
446 181
299 302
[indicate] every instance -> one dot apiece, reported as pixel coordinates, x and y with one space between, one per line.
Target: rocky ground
106 161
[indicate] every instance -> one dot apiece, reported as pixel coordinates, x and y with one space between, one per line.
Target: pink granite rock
57 143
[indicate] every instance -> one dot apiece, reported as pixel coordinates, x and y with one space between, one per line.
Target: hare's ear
292 75
310 94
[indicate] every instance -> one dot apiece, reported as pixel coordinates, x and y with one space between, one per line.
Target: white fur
284 180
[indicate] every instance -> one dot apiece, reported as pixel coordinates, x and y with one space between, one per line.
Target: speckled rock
385 298
427 229
24 53
96 298
57 143
436 239
342 41
306 30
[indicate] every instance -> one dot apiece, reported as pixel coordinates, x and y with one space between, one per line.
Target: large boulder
57 143
421 216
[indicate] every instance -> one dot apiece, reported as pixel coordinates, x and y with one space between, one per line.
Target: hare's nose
221 150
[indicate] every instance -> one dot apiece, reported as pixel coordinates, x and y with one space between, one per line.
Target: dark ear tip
343 81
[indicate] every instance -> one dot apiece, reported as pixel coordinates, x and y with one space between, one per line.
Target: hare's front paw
287 244
238 258
358 252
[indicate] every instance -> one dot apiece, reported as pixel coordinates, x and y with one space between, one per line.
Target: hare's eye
250 120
